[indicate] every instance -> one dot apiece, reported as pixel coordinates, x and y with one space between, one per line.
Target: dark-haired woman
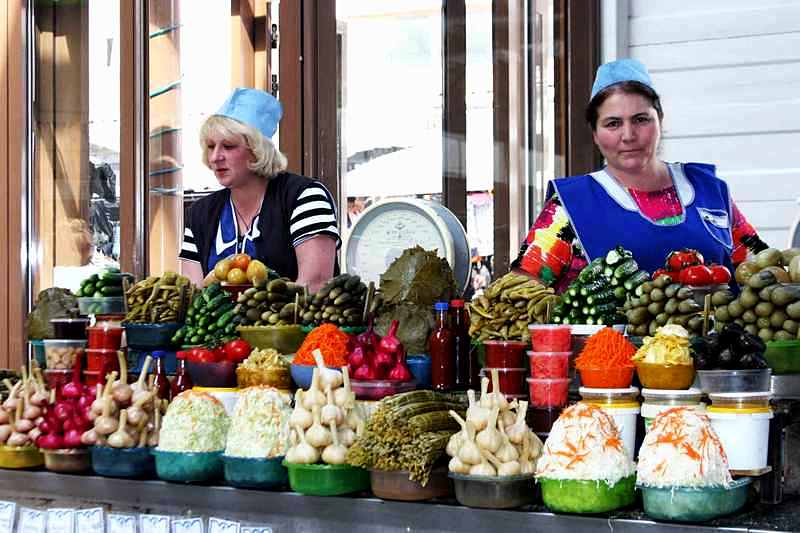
648 206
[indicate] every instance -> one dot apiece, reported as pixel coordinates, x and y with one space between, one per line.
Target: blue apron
227 241
604 215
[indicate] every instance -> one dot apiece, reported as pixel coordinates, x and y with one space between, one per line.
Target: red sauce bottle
441 346
182 381
161 380
459 320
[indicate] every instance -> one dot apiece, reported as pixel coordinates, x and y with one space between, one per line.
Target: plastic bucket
744 437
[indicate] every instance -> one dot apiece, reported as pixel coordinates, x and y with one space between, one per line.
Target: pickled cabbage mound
670 346
195 422
682 450
260 424
584 444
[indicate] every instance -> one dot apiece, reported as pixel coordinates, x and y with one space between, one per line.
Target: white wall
728 72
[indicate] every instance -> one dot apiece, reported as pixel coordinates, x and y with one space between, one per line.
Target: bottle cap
456 303
440 306
180 355
158 354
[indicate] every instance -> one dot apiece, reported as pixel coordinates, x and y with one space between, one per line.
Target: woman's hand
315 260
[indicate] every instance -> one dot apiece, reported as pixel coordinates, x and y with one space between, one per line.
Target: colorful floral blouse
551 251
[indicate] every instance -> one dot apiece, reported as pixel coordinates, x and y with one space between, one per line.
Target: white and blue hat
255 108
620 71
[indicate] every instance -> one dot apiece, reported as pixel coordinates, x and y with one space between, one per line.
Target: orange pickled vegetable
607 348
330 340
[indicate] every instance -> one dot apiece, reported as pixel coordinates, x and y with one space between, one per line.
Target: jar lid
584 329
608 392
215 389
740 396
667 394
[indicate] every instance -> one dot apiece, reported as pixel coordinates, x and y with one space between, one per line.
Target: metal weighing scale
387 228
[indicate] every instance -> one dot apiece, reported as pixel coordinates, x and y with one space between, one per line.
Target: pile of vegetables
661 302
783 264
333 343
260 424
194 422
407 432
23 410
600 289
507 306
494 439
374 357
67 415
688 267
732 348
108 282
264 367
270 303
607 349
340 301
159 299
325 422
125 415
209 320
239 269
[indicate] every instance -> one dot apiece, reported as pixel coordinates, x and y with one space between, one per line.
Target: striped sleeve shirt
189 249
313 214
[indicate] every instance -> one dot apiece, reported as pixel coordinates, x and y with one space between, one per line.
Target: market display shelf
288 511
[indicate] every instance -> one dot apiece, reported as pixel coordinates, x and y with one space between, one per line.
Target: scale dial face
381 238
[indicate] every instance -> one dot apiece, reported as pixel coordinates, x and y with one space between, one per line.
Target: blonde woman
285 220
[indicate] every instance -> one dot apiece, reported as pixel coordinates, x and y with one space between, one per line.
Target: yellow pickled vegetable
670 346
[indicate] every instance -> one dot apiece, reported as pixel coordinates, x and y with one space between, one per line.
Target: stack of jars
508 358
105 339
548 385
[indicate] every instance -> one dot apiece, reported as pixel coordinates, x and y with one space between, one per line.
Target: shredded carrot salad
330 340
607 348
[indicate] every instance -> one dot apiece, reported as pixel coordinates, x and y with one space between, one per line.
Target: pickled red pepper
607 348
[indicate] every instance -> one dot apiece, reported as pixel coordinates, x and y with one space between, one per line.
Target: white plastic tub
744 437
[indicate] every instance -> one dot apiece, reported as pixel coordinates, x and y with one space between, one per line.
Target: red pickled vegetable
357 358
390 343
73 389
400 371
72 439
548 392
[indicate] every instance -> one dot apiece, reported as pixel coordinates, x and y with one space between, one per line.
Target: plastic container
122 462
255 472
60 354
550 337
783 357
622 397
98 359
656 401
504 354
326 480
283 339
694 504
511 380
420 367
669 377
549 364
222 374
504 492
57 378
587 496
37 347
277 377
380 388
739 401
109 305
582 332
744 435
69 328
188 467
622 406
105 336
735 380
607 378
228 397
69 461
24 457
541 419
547 392
395 485
150 336
302 374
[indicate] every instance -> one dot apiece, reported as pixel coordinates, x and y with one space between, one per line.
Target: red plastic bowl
504 354
550 337
607 378
511 380
105 337
548 392
549 364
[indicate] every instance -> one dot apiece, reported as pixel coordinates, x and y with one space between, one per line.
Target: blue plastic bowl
150 336
122 462
188 467
302 374
255 473
694 504
420 366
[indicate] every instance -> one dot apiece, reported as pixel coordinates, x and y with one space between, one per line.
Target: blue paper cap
618 72
255 108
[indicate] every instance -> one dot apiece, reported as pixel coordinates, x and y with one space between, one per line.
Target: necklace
241 218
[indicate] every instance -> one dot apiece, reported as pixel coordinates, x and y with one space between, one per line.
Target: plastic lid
550 326
180 354
506 343
440 306
606 392
548 354
215 389
666 393
456 303
547 380
740 395
585 329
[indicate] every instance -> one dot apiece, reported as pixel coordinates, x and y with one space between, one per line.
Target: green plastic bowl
783 357
587 496
350 330
188 467
283 339
326 480
694 504
255 472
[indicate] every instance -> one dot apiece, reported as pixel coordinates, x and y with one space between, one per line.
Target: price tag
32 521
7 514
121 523
188 525
154 523
60 520
255 529
89 520
218 525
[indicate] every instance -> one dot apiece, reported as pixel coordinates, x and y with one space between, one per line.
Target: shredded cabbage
195 422
260 425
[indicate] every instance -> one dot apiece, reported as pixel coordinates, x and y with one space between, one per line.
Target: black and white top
294 209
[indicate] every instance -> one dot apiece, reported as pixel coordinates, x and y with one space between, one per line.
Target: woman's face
229 158
628 131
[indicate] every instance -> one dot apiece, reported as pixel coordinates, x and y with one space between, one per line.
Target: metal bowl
494 492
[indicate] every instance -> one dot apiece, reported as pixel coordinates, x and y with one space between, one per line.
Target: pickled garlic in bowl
682 450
